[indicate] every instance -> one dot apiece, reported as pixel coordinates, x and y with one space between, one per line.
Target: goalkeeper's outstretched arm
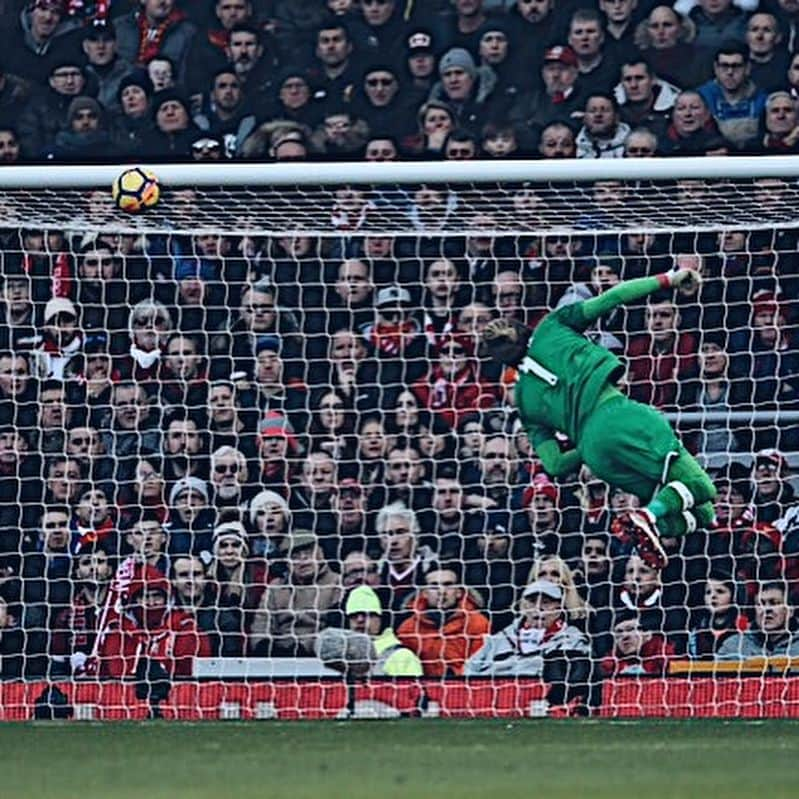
633 290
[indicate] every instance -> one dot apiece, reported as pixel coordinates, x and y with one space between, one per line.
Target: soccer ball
136 190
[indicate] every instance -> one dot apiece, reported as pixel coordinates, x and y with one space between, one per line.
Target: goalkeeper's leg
685 503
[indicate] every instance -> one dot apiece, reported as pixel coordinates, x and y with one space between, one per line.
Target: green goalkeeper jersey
563 374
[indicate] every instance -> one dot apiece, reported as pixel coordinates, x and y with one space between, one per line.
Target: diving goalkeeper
567 384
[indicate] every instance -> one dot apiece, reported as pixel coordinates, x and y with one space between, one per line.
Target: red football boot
644 531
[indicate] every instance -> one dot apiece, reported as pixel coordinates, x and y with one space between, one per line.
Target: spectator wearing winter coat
295 608
46 114
132 123
364 614
41 34
446 627
466 88
775 630
539 636
603 133
645 100
720 618
104 65
85 137
174 130
157 28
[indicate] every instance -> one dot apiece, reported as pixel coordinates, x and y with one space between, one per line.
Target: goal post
284 358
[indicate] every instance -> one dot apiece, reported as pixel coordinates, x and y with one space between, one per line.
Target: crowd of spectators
290 446
217 445
127 80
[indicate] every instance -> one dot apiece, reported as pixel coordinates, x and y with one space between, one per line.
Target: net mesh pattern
610 206
252 434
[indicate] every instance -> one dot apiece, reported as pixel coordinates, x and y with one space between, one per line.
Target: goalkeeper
568 384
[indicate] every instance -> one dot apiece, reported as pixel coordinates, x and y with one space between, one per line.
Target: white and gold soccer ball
136 190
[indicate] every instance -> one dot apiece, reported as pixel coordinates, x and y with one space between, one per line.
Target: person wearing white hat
540 634
61 338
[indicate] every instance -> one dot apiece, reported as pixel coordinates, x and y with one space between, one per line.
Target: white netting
251 434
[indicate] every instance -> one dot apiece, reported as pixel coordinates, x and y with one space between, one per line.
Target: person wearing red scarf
452 388
150 627
157 28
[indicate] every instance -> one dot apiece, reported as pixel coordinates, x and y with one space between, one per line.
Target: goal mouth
294 355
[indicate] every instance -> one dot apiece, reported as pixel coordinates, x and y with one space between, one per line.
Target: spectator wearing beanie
104 66
41 33
86 137
380 100
46 114
174 129
467 89
133 122
293 100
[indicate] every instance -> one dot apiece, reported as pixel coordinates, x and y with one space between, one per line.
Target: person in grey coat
157 28
775 633
541 643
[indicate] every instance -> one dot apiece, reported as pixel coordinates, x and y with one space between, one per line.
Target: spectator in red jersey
150 626
446 627
637 650
94 520
662 358
719 619
396 338
453 388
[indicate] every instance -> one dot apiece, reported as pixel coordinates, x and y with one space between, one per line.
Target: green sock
672 525
667 502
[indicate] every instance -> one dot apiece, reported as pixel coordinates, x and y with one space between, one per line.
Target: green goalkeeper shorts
629 445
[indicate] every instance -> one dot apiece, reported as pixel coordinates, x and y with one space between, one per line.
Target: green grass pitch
405 759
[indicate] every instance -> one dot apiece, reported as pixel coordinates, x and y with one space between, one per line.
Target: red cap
275 425
765 302
562 53
541 485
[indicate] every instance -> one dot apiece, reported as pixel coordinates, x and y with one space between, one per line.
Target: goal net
255 463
